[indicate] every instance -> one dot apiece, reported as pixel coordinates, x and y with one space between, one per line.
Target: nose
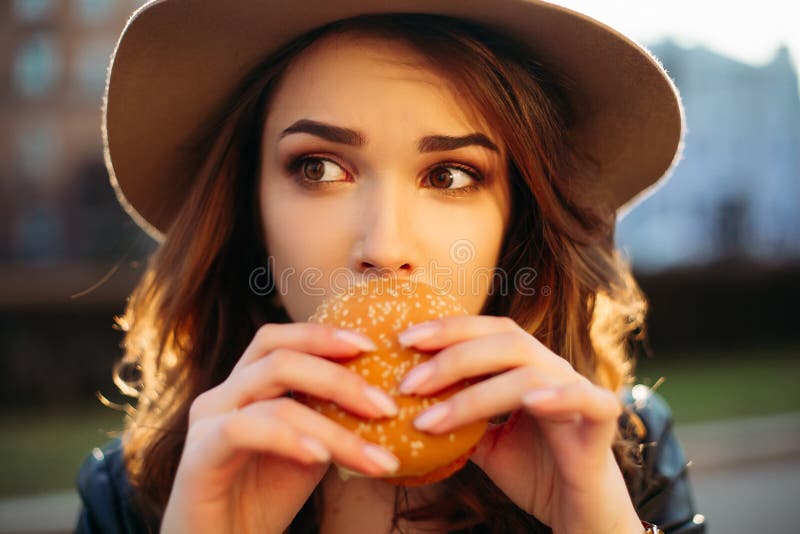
386 246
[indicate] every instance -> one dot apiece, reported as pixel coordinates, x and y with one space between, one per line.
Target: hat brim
177 61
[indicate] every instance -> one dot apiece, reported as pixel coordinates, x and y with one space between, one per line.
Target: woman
270 149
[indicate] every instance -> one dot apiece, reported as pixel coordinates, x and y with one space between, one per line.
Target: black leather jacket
666 500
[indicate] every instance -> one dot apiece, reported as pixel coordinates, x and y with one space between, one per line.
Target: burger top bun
381 309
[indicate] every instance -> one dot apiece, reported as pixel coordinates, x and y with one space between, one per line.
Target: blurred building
69 255
736 193
57 210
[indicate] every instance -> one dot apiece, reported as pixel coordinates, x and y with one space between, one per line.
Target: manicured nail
316 448
381 400
419 374
432 416
533 398
357 340
417 333
386 460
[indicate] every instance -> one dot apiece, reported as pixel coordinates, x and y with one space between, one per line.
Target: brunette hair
194 310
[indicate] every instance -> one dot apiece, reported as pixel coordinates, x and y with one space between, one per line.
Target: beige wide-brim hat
177 61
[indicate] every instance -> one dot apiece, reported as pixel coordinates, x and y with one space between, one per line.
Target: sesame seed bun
381 309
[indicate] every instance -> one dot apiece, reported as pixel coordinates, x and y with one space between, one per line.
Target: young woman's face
371 165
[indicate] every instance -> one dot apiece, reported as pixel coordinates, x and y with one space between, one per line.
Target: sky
750 32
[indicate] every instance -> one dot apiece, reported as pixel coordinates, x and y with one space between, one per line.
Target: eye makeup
296 169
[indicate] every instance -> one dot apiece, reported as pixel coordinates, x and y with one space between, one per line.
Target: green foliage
42 451
716 385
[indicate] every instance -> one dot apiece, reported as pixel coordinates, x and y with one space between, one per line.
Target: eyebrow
346 136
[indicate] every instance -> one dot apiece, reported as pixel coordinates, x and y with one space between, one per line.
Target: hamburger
381 309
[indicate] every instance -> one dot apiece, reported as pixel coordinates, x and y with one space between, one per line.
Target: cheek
472 239
468 251
474 280
302 248
300 231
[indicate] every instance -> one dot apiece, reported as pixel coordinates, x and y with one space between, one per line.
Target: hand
252 455
553 456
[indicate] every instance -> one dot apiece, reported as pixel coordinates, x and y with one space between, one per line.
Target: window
90 67
92 12
33 10
38 151
37 66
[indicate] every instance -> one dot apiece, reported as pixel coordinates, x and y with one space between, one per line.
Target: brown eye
454 178
313 169
443 178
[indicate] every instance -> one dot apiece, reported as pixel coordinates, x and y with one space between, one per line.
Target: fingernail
417 333
386 460
540 395
419 374
381 400
357 340
432 416
316 448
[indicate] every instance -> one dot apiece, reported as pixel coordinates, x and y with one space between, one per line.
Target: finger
312 338
579 414
288 370
488 354
591 403
445 331
229 435
493 396
288 429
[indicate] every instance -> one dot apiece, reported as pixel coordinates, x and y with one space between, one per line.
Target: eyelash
296 164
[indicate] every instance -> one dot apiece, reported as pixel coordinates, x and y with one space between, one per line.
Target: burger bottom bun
436 475
440 473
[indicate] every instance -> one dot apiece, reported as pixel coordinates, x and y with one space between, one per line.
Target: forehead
353 77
